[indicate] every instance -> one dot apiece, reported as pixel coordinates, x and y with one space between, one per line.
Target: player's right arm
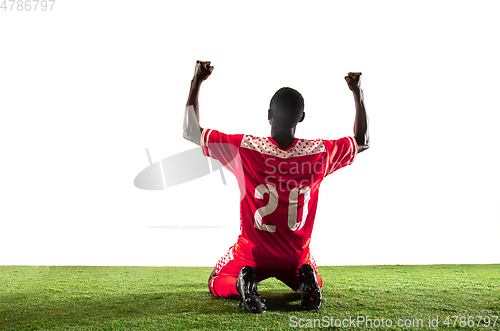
361 120
192 129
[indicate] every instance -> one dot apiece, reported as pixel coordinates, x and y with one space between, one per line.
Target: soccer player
279 178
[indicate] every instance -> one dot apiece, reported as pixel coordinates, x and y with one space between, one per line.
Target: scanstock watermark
358 322
192 164
366 321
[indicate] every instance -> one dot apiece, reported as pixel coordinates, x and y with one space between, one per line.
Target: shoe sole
253 305
311 298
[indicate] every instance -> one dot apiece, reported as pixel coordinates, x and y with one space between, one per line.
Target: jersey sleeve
221 146
341 153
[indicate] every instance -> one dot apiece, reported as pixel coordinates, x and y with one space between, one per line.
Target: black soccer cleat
310 292
247 288
212 275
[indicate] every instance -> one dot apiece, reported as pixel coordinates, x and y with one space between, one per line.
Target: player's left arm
192 129
361 135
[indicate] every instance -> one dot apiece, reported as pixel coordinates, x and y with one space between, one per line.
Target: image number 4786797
27 5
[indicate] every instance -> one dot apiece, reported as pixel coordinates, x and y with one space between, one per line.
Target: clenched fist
353 80
202 70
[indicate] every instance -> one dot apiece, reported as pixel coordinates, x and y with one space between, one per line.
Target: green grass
174 298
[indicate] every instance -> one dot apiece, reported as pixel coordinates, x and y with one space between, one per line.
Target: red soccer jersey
279 188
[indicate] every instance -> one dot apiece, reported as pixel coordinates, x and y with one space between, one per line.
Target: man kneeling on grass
279 178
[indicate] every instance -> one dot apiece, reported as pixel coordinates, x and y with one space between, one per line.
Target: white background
85 88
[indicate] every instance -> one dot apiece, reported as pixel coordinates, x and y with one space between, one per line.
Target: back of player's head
286 107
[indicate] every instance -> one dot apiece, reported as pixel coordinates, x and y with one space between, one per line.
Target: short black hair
286 107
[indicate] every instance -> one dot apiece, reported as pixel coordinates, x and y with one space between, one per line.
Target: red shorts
240 255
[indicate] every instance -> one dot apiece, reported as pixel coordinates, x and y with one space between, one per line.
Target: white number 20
293 201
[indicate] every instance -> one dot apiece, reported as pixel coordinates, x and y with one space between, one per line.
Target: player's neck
283 136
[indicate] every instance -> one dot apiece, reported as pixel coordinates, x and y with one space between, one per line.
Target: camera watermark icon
177 169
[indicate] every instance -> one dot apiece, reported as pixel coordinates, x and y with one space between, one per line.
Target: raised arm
191 129
361 120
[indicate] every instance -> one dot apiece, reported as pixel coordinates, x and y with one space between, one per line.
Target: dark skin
361 135
201 72
285 136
